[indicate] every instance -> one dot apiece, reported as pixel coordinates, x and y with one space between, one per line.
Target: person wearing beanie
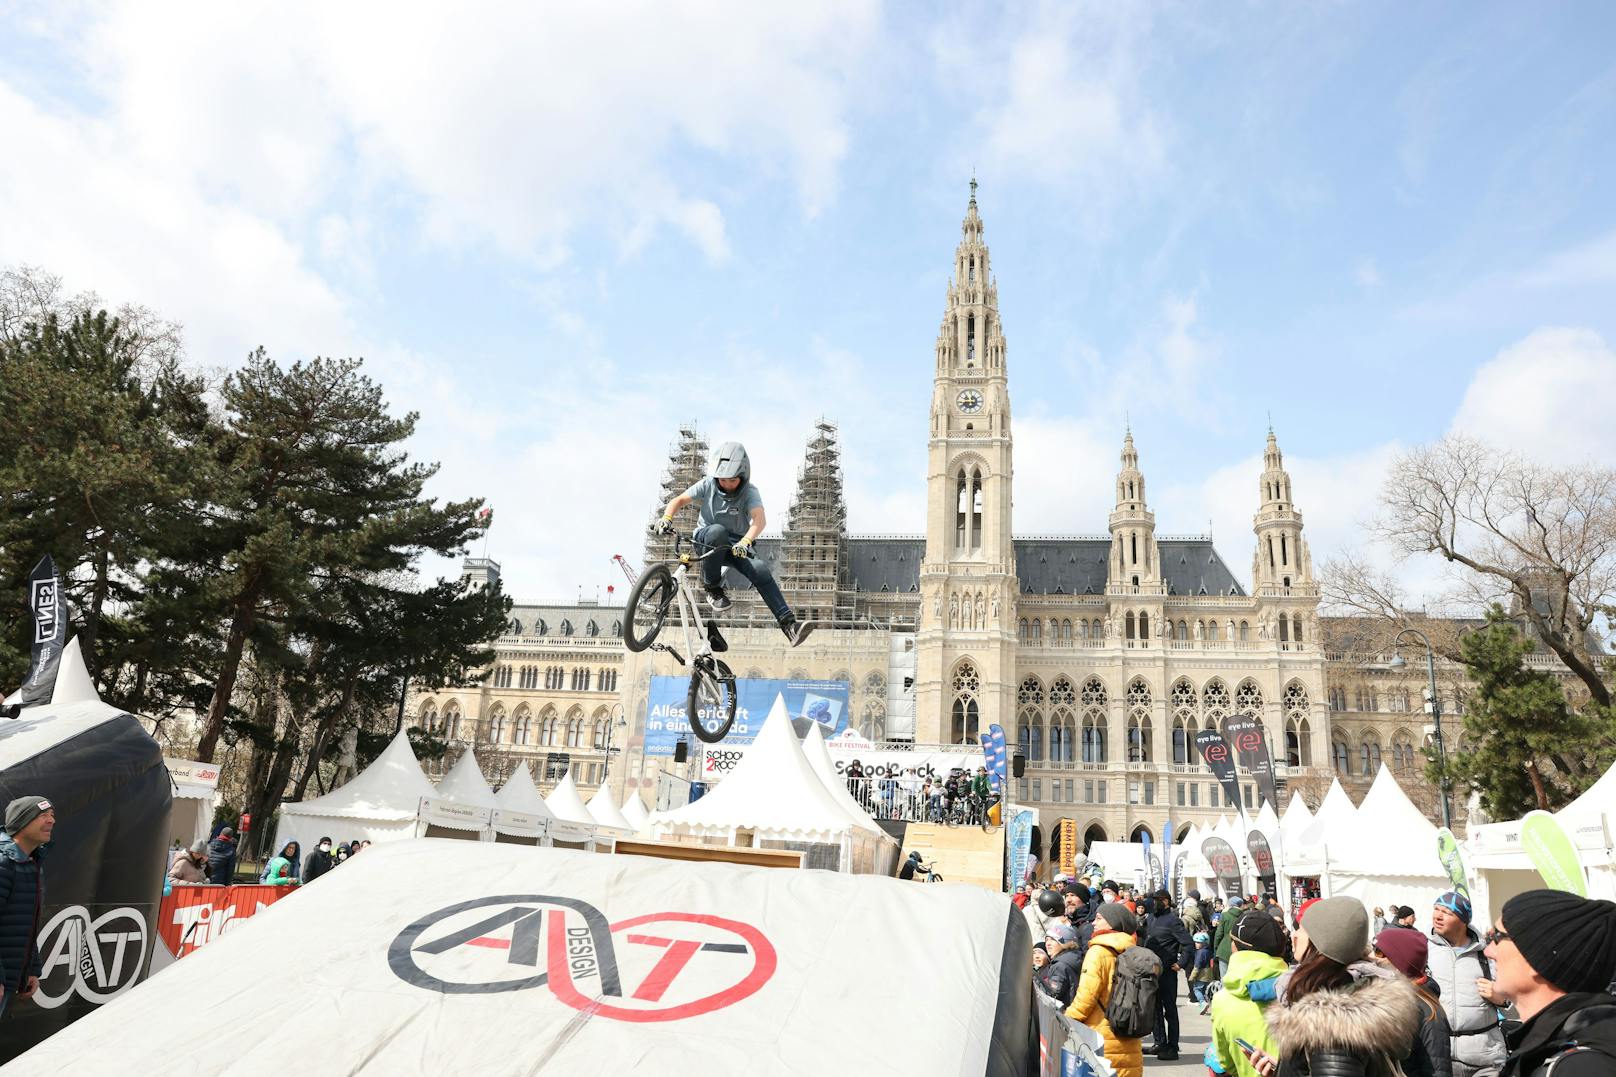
1406 950
1114 929
1458 967
187 869
222 857
1167 938
1257 944
1220 939
1339 1013
29 823
1554 956
1065 963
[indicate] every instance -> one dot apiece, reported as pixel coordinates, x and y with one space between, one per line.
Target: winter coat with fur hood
1362 1030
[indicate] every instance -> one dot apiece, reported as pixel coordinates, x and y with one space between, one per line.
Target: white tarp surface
441 957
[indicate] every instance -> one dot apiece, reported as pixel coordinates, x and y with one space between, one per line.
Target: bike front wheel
648 606
710 706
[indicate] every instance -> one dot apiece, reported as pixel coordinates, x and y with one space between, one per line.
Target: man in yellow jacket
1113 934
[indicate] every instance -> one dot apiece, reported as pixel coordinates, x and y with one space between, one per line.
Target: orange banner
193 916
1068 846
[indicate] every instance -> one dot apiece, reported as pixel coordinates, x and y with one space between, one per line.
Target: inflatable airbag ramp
441 957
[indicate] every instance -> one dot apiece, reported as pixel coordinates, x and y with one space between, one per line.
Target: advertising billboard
824 702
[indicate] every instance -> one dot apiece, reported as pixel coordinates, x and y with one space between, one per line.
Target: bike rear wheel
710 705
648 606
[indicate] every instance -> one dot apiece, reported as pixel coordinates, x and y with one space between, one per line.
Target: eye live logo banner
662 966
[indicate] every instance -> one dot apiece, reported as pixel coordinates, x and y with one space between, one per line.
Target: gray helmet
730 462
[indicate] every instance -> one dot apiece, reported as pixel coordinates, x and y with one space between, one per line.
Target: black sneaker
796 631
718 598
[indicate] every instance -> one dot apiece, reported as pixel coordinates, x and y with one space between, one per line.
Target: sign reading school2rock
824 702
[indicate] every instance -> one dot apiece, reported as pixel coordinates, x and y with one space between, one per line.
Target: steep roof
465 783
603 809
521 795
565 803
390 788
584 619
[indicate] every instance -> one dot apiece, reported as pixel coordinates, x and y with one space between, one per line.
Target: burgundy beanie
1406 949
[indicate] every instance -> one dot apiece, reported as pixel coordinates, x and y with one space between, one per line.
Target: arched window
522 725
451 720
1094 721
1144 626
1402 751
1185 724
496 724
1298 732
1139 729
1245 631
875 721
1343 761
1369 755
1030 719
965 714
1128 620
1248 699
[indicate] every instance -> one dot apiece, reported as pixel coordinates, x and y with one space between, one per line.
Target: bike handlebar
679 540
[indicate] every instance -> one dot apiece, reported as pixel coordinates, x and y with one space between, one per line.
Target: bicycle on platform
711 702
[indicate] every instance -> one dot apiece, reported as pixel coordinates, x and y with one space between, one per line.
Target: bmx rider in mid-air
731 518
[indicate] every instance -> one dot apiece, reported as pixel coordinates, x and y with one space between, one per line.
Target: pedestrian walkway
1194 1033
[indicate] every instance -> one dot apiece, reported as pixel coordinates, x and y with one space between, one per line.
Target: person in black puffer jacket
1555 955
222 858
1166 937
29 821
1065 966
1339 1015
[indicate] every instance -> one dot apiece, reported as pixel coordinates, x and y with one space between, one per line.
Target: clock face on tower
969 401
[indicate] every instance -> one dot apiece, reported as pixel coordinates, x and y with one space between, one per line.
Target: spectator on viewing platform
1167 938
281 870
1339 1013
1256 943
29 823
319 861
222 857
1555 956
1114 931
188 869
1459 969
1405 950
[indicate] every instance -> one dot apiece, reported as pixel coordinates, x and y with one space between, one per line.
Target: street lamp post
613 724
1433 707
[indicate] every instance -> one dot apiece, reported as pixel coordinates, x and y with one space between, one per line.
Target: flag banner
1262 856
1068 846
993 752
1144 839
1225 864
1447 851
1215 750
1178 876
1250 746
1552 854
1167 854
48 634
1020 827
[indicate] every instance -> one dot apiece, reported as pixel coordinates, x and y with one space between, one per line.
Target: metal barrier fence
915 800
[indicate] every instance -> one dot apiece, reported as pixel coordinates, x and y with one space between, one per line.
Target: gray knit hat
1338 928
1118 918
24 810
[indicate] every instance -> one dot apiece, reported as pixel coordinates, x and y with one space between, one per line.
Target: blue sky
560 233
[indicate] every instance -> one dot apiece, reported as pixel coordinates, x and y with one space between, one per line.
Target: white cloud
1550 397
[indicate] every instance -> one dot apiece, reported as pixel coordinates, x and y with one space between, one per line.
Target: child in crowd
1202 975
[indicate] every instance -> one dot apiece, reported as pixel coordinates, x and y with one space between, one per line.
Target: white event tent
379 804
1498 865
463 805
520 815
638 818
1307 856
774 799
813 747
1388 854
571 814
602 807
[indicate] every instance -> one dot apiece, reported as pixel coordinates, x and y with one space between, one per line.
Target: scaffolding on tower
813 569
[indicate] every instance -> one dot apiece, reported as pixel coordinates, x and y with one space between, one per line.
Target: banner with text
824 702
911 768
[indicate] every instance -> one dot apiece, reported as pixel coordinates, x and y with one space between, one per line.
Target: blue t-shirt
734 511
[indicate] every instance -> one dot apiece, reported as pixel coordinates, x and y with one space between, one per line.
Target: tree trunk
1538 788
1575 659
267 797
225 687
92 617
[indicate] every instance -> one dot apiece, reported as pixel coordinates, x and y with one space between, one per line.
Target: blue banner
1020 847
994 756
1144 839
824 702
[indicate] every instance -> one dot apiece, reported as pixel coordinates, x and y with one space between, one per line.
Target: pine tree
1520 736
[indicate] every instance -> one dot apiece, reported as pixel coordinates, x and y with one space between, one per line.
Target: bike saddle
715 639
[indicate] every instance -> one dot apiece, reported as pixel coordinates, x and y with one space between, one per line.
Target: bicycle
712 683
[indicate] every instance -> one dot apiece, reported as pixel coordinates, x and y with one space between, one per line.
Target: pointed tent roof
1598 797
634 811
73 683
1266 821
390 788
465 784
603 809
1297 816
520 794
772 788
565 803
813 747
1385 810
1334 818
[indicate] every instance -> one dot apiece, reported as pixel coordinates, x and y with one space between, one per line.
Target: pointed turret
1282 559
1135 561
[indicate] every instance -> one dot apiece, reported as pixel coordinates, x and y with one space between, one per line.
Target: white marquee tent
774 799
764 986
1387 855
813 747
1335 819
565 803
380 803
602 807
463 804
638 818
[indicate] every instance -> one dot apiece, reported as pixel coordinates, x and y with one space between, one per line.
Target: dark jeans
718 537
1167 1009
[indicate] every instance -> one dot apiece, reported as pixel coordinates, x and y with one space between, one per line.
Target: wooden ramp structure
960 854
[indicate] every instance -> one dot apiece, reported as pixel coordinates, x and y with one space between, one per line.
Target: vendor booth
454 957
380 804
774 799
1388 855
574 827
463 806
196 790
105 779
520 815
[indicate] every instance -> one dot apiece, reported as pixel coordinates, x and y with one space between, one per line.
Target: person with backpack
1554 955
1458 966
1116 992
